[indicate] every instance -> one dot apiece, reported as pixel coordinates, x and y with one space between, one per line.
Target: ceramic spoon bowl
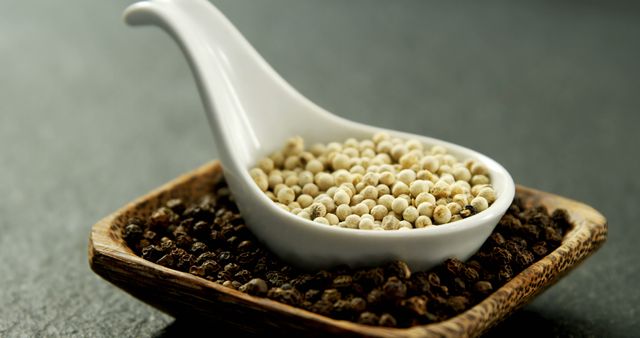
253 111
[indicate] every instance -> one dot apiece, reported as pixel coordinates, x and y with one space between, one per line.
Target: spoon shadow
523 323
532 323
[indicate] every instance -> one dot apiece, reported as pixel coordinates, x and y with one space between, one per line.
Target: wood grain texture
181 294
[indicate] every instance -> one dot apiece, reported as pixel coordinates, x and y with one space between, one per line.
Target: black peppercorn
132 233
399 269
210 240
394 288
416 305
483 287
176 205
342 281
387 320
368 318
198 248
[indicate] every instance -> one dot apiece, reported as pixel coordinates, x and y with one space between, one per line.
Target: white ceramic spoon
253 111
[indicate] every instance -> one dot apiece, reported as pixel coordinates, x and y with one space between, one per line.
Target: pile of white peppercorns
383 183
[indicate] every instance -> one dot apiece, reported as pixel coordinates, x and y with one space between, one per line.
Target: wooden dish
181 294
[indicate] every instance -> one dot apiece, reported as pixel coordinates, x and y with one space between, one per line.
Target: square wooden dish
181 294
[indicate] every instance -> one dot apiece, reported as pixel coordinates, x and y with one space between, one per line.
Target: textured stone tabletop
94 114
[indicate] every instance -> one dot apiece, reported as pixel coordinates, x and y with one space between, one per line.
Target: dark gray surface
93 114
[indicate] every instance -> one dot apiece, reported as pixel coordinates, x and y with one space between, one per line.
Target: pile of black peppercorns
209 239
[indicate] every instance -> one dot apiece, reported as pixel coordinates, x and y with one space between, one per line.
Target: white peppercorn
426 209
357 198
479 179
370 203
380 136
368 153
294 146
390 222
366 224
378 212
419 186
386 201
271 196
371 178
292 162
352 221
461 173
342 211
442 201
435 150
479 169
369 192
291 180
414 145
458 188
341 197
282 206
275 178
384 147
441 214
397 151
317 209
399 188
487 193
304 200
461 199
266 164
479 203
278 158
422 221
321 220
383 189
328 203
342 176
398 205
334 147
340 161
444 169
406 176
440 189
332 218
454 208
403 225
368 216
476 188
410 214
294 205
304 214
360 209
351 152
448 178
387 178
324 180
331 191
310 189
305 177
260 178
455 218
392 182
285 195
409 159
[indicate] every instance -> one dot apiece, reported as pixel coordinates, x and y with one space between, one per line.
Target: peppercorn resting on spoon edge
253 111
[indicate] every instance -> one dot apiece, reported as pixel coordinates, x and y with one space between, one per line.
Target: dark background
94 114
